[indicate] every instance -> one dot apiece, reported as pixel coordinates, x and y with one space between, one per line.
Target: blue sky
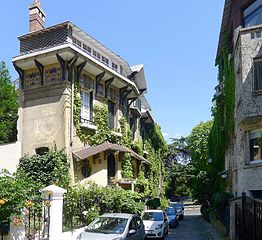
175 40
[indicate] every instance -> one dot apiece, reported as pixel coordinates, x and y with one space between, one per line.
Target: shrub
96 200
219 199
51 166
15 191
153 203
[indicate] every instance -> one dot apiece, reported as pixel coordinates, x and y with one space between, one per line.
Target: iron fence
37 218
248 218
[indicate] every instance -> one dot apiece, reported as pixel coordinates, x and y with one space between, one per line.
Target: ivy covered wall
223 113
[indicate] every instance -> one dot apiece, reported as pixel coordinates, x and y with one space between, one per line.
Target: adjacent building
241 31
60 64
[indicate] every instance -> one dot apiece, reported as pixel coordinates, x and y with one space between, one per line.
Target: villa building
242 30
60 64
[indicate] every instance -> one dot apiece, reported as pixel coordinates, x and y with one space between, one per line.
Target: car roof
118 215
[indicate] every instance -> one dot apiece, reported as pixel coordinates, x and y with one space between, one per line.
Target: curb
209 231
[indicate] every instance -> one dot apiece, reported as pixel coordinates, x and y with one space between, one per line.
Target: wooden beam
41 71
98 79
107 84
21 74
79 70
63 66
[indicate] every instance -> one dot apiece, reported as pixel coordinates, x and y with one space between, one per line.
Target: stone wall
248 113
9 156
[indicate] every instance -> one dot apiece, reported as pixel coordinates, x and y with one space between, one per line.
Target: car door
140 228
165 221
132 226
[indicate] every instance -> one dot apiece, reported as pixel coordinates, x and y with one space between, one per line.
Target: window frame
255 60
245 7
251 162
91 102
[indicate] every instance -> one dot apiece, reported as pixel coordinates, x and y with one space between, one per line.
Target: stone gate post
56 210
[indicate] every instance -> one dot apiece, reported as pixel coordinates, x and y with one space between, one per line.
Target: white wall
9 156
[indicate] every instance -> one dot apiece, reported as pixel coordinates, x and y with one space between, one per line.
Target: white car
156 223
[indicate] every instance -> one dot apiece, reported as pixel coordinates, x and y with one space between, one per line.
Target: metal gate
37 219
248 218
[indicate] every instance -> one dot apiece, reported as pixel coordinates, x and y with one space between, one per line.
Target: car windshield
108 225
171 211
152 216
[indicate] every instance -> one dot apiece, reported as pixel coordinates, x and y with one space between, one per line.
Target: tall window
111 114
86 106
253 14
255 145
258 75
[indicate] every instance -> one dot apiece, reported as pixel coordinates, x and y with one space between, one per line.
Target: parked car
179 208
156 223
114 226
172 217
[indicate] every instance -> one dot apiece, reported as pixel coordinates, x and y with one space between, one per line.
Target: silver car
114 226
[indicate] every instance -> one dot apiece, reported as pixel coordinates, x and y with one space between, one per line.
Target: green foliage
179 180
102 199
51 166
8 107
163 203
204 175
157 139
223 112
126 139
15 190
219 199
137 146
153 203
142 185
126 166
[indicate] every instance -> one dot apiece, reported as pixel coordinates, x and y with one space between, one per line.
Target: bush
15 191
51 166
153 203
97 200
219 199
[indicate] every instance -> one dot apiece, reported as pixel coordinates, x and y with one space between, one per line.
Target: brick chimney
37 17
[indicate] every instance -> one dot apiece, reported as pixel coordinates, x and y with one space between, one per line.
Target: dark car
172 217
179 208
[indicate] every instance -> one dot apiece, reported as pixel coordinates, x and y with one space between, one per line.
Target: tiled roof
89 151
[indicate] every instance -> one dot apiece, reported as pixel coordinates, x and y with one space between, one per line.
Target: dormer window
114 66
87 49
253 14
96 55
105 60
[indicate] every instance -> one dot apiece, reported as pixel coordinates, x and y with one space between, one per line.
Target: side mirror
132 232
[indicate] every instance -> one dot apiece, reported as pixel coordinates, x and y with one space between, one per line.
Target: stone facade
244 174
50 61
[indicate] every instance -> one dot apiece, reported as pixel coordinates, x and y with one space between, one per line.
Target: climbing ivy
223 113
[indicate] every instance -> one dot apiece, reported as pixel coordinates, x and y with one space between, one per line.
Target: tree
179 180
199 152
177 152
8 107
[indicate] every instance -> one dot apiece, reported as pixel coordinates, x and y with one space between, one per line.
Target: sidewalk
209 230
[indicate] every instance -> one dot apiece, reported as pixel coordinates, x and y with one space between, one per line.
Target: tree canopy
8 107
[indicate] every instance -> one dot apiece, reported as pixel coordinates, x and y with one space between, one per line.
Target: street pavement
193 227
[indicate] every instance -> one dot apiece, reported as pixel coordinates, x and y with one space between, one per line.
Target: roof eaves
224 26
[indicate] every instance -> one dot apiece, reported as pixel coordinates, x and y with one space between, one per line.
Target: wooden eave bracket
98 80
21 74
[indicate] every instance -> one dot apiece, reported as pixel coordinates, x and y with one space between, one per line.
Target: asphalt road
191 228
